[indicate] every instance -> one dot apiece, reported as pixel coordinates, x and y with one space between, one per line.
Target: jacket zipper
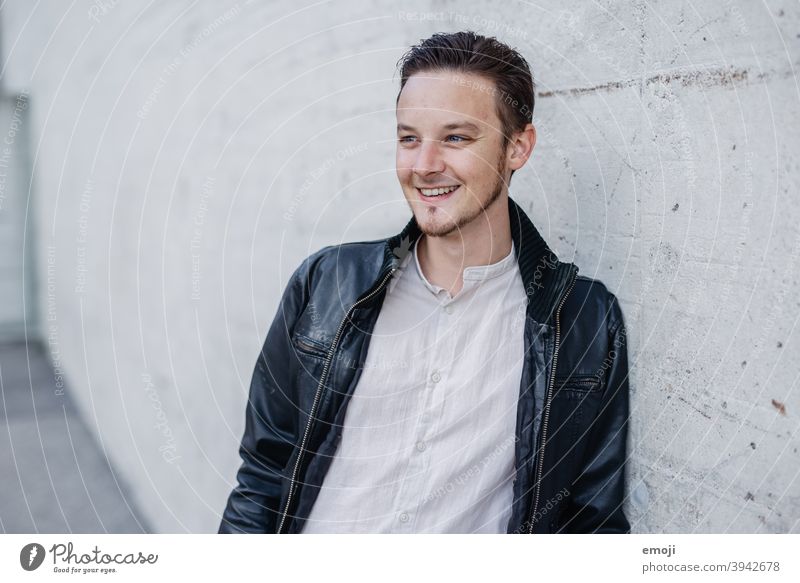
318 394
546 414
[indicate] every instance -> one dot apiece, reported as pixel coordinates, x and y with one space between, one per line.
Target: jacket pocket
309 346
577 385
576 399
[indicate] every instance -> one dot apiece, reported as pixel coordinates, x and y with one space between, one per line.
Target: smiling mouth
437 192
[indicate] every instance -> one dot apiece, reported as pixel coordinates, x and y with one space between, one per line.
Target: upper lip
439 186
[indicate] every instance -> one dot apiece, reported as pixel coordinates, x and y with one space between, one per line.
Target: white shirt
429 434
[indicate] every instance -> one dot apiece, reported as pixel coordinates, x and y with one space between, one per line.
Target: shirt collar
476 273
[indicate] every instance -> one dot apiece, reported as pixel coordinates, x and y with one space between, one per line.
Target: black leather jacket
572 412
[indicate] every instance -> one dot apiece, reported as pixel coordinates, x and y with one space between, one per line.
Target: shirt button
436 377
404 517
448 309
421 446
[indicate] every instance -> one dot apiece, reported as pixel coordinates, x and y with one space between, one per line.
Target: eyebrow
451 126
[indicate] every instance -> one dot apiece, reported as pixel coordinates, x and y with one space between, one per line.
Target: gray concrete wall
188 155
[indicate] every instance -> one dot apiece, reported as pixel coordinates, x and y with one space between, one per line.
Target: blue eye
408 139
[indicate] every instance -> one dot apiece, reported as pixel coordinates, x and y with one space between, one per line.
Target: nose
429 159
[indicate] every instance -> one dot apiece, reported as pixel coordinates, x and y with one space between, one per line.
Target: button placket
444 389
408 494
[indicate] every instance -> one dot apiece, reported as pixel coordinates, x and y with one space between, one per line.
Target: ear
521 147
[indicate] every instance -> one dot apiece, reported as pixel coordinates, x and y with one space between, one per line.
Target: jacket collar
543 275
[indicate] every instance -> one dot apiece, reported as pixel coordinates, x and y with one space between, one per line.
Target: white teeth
437 191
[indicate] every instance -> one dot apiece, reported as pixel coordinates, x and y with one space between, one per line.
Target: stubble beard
446 229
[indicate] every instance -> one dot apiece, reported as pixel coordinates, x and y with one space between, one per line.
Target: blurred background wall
171 163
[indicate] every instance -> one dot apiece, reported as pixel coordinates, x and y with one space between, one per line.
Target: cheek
403 164
482 166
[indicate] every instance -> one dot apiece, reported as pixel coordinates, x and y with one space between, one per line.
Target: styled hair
469 52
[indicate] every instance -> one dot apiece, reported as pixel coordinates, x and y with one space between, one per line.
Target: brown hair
469 52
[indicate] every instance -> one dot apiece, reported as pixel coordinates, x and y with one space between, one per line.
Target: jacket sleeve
270 422
595 502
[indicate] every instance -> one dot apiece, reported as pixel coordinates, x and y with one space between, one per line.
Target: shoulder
351 251
590 320
348 254
590 301
343 262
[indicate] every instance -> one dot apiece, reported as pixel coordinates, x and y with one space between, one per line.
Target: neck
484 241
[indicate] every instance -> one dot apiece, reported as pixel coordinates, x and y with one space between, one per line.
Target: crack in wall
721 77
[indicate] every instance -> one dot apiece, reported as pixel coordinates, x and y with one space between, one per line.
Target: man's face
449 136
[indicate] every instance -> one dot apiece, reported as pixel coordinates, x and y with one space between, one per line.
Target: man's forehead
446 98
453 80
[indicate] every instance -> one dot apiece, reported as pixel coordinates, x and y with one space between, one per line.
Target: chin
435 228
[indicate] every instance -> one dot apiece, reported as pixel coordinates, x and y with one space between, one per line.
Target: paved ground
54 477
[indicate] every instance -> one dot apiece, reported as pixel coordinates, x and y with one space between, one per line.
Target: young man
456 377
